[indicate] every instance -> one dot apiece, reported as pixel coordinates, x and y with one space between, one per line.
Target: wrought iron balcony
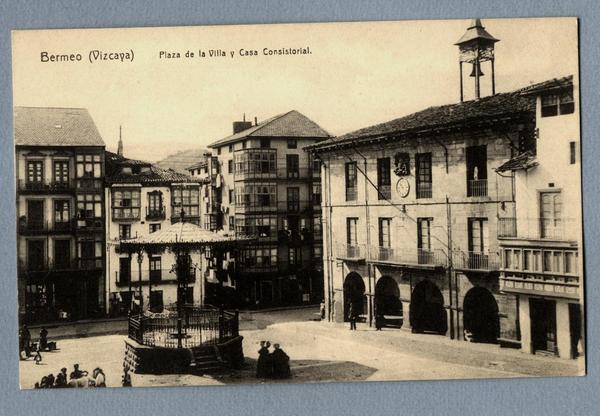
424 190
507 227
408 256
477 187
475 261
385 192
28 226
46 186
352 252
351 193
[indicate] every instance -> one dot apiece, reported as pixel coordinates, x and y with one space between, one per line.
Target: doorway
543 325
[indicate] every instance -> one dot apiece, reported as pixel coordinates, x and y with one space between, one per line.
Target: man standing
352 315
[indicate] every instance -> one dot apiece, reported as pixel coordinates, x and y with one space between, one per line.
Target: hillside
181 160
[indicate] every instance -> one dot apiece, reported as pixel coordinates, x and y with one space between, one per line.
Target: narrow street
319 352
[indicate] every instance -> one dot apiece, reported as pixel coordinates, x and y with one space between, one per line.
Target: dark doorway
575 326
481 318
427 313
36 255
354 292
387 301
156 301
543 325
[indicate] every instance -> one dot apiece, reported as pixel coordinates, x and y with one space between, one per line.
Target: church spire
120 147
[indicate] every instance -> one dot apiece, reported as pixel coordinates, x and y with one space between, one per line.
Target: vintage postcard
298 203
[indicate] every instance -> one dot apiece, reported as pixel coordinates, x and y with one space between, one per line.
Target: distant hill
181 160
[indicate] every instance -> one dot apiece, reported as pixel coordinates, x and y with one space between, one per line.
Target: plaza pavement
320 352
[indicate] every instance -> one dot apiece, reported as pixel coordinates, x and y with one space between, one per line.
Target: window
351 228
62 213
317 228
351 181
218 150
572 153
61 172
558 104
186 200
36 250
294 256
89 166
35 171
265 143
570 262
265 196
384 232
293 199
316 168
260 257
155 269
476 170
231 197
293 166
383 178
255 162
244 144
259 195
256 226
126 204
231 222
292 144
124 231
550 214
230 166
230 148
478 235
62 254
154 227
89 206
423 178
155 205
316 193
424 233
318 253
124 269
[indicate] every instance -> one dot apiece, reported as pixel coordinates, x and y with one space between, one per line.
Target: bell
478 68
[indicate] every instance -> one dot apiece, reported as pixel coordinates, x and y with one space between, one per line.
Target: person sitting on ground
99 379
61 378
77 373
263 365
51 379
281 362
43 344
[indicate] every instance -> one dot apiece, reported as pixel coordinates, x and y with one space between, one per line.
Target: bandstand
183 336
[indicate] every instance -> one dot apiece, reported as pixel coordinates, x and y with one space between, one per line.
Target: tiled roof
523 161
197 165
148 174
47 126
551 84
476 31
290 124
499 106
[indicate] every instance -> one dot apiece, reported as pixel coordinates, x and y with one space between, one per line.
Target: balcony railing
89 224
477 187
424 190
408 256
46 186
477 261
28 226
351 251
93 263
125 214
538 228
154 277
155 214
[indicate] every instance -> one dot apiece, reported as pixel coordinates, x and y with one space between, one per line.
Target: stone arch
480 316
387 300
427 312
354 291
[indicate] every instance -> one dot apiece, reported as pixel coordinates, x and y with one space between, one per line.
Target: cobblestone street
320 352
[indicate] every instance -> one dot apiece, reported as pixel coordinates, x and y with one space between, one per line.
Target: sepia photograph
298 203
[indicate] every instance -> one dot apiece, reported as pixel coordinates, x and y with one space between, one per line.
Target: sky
357 74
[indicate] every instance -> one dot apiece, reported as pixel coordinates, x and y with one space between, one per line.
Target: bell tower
475 47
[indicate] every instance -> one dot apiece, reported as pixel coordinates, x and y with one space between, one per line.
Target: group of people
354 309
26 346
274 364
77 378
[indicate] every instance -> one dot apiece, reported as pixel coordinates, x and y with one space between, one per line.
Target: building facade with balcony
140 199
541 244
264 185
59 164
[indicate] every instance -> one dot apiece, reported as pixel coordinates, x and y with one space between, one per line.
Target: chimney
256 121
239 126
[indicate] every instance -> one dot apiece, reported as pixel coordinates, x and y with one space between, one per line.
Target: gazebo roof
181 234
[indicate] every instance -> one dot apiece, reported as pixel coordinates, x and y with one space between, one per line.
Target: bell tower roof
476 31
